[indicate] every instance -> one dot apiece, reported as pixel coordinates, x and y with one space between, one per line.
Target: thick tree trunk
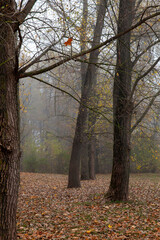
9 126
118 190
122 107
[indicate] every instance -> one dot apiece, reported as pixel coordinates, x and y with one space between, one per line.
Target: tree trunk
89 81
92 156
74 167
92 94
122 107
84 159
92 138
83 42
9 127
97 156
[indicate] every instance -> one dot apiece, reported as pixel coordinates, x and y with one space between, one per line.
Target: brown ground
48 210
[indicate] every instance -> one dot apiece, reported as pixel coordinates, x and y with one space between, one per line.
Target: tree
9 115
123 105
88 85
83 43
122 108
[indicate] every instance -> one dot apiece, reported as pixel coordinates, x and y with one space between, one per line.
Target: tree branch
36 59
108 41
141 54
69 94
146 111
20 16
142 76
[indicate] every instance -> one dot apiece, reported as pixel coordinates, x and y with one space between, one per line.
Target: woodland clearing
48 210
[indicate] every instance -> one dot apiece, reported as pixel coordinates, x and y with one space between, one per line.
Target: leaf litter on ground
48 210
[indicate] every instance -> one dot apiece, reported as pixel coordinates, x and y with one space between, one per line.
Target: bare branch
142 76
36 59
69 94
146 111
141 54
20 16
108 41
152 30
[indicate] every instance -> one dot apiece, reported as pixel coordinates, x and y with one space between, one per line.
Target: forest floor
48 210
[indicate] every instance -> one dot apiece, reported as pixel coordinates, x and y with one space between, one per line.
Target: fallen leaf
109 226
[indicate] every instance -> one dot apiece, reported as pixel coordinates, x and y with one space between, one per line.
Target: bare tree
123 104
87 87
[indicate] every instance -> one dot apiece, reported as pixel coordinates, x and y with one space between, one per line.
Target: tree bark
9 125
97 156
84 158
74 167
92 156
9 116
122 107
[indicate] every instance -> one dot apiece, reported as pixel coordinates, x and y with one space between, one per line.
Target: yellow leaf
109 226
89 231
117 74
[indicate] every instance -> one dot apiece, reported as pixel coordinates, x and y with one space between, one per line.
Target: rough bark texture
89 81
9 125
122 108
92 157
96 156
84 159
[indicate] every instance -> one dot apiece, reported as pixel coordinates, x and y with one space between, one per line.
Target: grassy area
48 210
